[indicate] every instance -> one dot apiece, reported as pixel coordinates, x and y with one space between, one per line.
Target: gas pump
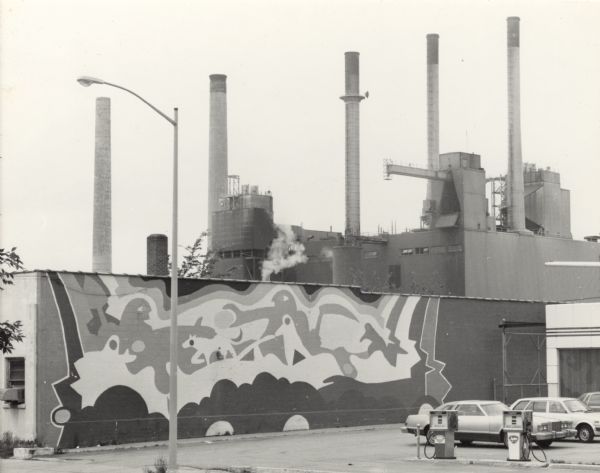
517 428
442 425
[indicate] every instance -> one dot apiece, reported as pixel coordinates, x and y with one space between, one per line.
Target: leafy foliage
197 264
9 332
9 262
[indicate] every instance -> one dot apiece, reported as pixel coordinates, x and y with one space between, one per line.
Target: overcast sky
285 66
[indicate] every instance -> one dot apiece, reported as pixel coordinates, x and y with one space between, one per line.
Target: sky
285 66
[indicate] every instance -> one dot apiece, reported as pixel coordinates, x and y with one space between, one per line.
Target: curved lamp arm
86 81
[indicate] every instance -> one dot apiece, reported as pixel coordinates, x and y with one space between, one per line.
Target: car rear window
495 409
575 405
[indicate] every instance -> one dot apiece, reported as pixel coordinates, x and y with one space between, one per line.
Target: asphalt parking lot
359 450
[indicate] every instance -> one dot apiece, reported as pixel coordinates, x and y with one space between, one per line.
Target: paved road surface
379 449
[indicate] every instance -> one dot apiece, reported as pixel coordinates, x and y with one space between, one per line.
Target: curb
505 463
225 438
575 466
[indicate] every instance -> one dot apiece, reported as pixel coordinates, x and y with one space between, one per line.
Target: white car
566 409
482 421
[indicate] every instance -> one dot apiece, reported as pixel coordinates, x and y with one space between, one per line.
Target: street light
86 81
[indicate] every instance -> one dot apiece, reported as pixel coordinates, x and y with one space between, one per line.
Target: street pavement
379 449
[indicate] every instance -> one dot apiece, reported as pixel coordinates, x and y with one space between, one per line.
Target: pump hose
541 452
429 457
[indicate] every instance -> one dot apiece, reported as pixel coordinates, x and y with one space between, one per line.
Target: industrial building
252 356
307 348
479 236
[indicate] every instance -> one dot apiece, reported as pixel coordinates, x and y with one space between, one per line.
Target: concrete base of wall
27 453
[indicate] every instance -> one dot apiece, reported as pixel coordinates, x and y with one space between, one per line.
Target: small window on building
435 250
369 254
16 373
455 248
422 251
407 251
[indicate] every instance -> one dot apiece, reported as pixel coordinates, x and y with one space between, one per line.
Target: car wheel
466 442
544 443
585 433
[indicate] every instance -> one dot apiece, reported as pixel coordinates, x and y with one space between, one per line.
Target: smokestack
433 108
514 181
352 100
217 147
157 255
102 233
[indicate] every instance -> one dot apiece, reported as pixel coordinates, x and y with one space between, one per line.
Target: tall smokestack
102 236
157 255
515 199
217 147
433 108
352 100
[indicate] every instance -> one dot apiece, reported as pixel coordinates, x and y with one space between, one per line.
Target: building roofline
245 281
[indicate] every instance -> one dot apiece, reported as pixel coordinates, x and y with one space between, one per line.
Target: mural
251 356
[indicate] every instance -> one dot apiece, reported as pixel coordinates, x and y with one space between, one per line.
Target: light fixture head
86 81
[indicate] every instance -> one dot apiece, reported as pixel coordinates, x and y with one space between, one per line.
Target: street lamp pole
86 81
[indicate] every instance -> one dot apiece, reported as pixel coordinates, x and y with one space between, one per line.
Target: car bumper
555 435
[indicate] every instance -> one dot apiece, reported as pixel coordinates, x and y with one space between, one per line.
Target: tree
9 332
195 264
198 264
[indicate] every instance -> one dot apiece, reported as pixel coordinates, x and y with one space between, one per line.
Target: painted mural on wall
251 356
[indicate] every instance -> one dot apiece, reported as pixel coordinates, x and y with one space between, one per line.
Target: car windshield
574 405
494 409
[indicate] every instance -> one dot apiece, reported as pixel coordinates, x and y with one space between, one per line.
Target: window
16 373
422 251
407 251
369 254
495 409
435 250
469 410
539 406
557 408
520 406
455 248
594 400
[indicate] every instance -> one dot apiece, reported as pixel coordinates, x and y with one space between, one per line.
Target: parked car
568 409
481 421
591 400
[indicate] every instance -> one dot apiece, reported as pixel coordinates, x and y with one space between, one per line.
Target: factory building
276 356
479 236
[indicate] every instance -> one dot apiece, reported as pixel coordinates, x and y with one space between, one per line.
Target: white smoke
285 252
